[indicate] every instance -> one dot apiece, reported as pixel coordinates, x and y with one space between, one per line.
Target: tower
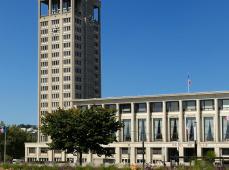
69 53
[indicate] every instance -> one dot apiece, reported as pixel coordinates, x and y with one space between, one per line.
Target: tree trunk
81 157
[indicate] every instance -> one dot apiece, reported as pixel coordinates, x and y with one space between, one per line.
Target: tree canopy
81 131
15 142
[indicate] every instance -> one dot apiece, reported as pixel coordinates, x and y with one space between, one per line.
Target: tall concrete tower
69 52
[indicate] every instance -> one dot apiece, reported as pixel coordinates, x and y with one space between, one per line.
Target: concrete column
63 156
216 132
117 155
50 7
119 132
199 151
181 153
38 153
50 155
164 153
148 155
148 125
164 133
61 6
133 122
217 151
181 122
198 122
132 155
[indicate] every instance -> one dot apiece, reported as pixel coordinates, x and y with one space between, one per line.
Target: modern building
69 62
69 53
167 123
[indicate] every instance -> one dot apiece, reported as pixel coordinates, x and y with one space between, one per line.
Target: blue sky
148 47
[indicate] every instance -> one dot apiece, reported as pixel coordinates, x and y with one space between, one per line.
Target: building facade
69 53
167 123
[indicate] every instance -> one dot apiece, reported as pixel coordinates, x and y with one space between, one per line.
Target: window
156 151
67 78
55 54
55 63
32 150
189 105
141 130
66 36
224 104
55 38
140 151
174 129
126 130
110 106
67 53
67 45
208 129
67 28
225 151
140 108
44 23
125 151
225 128
67 20
172 106
67 61
55 22
44 150
157 129
190 128
156 106
67 70
207 105
125 108
67 95
67 86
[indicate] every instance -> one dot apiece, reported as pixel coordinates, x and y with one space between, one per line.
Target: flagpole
5 146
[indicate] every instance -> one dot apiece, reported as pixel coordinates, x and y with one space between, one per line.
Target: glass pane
190 130
225 128
141 129
127 130
208 129
157 129
174 129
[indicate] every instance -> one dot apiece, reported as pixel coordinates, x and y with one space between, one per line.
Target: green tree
15 139
81 131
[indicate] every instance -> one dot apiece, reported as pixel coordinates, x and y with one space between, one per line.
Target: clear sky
148 47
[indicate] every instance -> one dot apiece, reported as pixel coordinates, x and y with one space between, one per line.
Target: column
164 154
133 128
198 122
148 155
217 151
181 153
50 155
181 122
119 132
164 122
148 121
38 153
216 132
50 7
61 6
117 155
132 155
